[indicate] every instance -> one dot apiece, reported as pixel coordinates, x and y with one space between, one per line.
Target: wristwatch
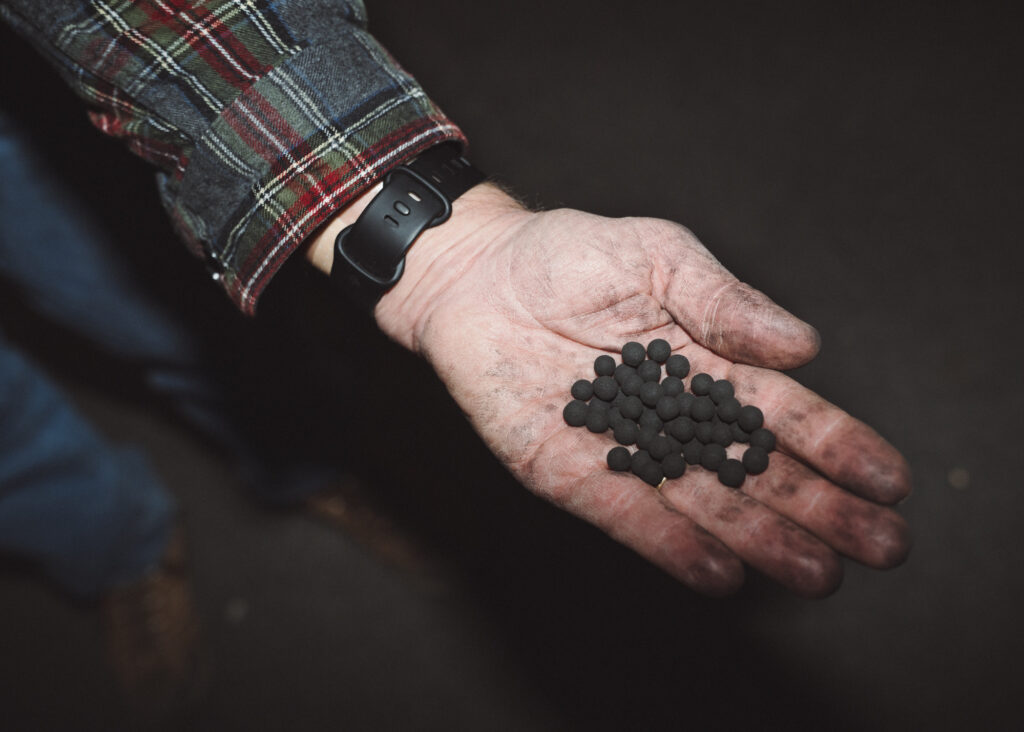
369 255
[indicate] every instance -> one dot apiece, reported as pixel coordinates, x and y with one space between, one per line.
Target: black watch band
369 255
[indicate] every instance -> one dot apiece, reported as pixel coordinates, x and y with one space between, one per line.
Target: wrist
436 260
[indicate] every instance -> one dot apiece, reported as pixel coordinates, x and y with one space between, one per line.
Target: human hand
511 307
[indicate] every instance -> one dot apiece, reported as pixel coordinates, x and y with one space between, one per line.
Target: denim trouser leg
90 514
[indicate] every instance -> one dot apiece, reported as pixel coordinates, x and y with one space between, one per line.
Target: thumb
730 317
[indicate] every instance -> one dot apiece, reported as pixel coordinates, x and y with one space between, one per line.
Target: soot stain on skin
785 489
730 513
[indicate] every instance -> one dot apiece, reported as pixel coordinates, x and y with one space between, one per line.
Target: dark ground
862 167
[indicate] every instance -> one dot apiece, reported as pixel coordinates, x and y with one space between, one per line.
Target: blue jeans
91 514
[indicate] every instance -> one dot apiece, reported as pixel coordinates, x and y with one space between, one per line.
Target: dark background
861 165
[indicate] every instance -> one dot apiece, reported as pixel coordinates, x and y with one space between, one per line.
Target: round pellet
597 420
686 400
667 408
672 386
631 386
701 384
712 456
692 451
619 459
582 389
677 446
755 460
575 413
633 354
651 420
738 433
631 408
639 459
659 350
763 438
677 365
702 431
729 409
644 436
649 371
650 393
721 434
702 409
660 447
626 432
673 466
605 387
651 473
732 473
750 418
721 390
604 365
682 428
622 371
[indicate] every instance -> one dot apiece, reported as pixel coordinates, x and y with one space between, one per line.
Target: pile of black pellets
644 402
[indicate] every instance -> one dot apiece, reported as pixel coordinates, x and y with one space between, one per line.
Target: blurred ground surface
861 166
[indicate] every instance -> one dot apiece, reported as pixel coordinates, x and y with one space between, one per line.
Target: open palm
528 315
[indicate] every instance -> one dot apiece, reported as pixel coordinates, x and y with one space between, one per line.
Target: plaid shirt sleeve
263 117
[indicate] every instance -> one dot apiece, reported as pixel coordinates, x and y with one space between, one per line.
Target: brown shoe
343 505
152 634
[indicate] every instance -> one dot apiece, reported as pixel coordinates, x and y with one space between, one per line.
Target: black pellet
667 408
631 407
599 405
738 433
712 456
631 386
604 365
605 387
764 438
721 434
692 451
650 419
619 398
677 365
619 459
622 371
750 418
677 446
721 390
652 474
633 354
701 384
755 460
672 386
682 428
575 413
732 473
644 436
659 350
673 466
686 400
660 447
649 371
703 409
582 389
729 409
639 459
626 432
702 431
650 393
597 420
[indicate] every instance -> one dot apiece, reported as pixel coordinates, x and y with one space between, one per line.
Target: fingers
757 534
728 316
825 437
632 513
869 533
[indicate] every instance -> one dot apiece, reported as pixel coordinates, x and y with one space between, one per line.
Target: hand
511 307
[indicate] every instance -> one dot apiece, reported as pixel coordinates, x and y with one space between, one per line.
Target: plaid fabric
263 117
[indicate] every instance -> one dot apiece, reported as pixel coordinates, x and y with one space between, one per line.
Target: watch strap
369 255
